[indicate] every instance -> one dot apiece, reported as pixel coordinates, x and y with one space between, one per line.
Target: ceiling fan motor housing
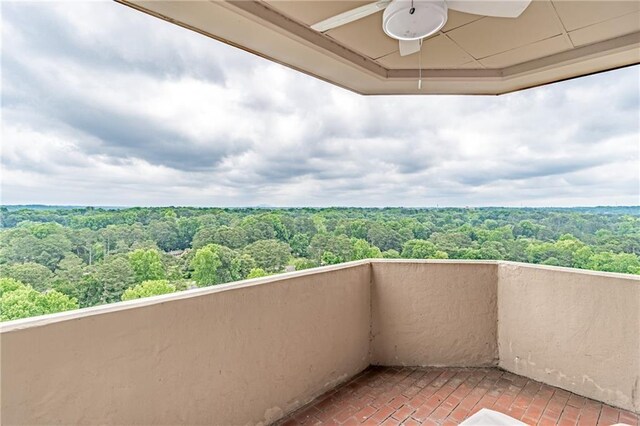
414 19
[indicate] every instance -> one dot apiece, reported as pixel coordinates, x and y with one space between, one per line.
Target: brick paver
447 396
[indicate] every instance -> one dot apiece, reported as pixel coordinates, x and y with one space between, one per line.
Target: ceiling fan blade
497 8
409 47
350 16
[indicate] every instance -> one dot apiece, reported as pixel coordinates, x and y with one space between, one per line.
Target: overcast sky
103 105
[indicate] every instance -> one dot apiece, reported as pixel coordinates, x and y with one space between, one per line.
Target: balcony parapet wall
242 353
434 314
249 352
577 330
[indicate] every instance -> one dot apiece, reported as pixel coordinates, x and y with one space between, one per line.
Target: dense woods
56 259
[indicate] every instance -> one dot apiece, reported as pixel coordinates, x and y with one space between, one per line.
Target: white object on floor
486 417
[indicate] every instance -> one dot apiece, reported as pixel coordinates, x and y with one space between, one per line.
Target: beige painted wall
247 352
224 355
434 313
574 329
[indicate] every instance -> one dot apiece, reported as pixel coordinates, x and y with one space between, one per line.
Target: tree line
56 259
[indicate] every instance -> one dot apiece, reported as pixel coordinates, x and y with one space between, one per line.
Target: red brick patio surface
447 396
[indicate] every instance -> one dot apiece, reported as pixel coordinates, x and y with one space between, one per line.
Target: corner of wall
496 357
371 289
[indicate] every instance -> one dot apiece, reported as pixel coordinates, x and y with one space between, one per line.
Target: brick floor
447 396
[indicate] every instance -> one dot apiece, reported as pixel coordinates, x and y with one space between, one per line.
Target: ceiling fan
410 21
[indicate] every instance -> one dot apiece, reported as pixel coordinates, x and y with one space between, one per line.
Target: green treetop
148 288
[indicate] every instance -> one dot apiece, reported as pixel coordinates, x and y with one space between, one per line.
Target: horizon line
260 206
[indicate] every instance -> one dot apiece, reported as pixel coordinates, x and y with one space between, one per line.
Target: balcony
257 351
446 396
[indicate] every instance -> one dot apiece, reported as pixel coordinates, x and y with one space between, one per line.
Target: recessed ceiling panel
457 19
608 29
529 52
310 12
438 52
365 36
490 36
469 66
579 14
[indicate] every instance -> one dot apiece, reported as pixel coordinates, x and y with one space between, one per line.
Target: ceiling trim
578 54
413 73
281 22
254 26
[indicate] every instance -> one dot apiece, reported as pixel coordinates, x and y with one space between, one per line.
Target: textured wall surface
249 352
577 330
219 356
434 313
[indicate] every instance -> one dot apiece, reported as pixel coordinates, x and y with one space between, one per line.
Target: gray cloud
102 104
53 32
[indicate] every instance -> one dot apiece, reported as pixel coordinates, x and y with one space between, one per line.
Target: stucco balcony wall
578 330
434 314
252 351
231 354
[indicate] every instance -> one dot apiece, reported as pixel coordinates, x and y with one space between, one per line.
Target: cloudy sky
103 105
